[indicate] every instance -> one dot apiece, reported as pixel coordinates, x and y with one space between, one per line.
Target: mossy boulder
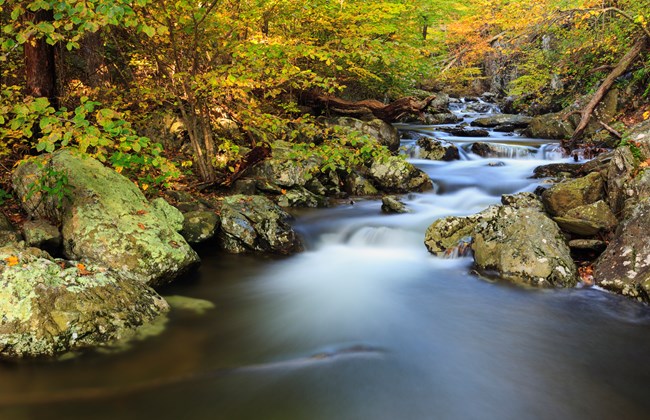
433 149
624 267
520 244
358 185
42 234
106 220
514 120
300 197
393 205
51 306
573 193
550 126
200 226
282 170
399 176
8 233
256 224
524 245
588 220
523 200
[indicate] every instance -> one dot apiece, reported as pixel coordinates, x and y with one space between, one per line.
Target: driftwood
588 110
390 113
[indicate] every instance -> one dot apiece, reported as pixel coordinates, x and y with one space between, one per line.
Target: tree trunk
40 69
586 113
389 113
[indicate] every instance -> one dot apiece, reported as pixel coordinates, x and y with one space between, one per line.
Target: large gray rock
573 193
514 120
282 170
524 245
384 133
624 267
391 204
50 307
588 220
256 224
108 221
519 244
300 197
357 185
442 118
397 175
433 149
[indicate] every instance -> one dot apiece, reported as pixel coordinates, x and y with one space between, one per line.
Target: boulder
107 220
550 126
384 133
513 120
433 149
199 226
522 200
357 185
593 245
573 193
282 170
256 224
399 176
524 245
479 107
392 204
301 197
50 306
8 233
627 184
588 220
520 244
465 132
186 202
557 169
42 234
624 267
442 118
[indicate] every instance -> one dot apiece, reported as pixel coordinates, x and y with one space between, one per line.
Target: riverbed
366 324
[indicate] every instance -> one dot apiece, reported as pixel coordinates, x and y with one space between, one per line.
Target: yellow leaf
12 260
646 115
118 169
144 187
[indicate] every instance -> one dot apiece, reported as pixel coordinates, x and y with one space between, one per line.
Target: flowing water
366 324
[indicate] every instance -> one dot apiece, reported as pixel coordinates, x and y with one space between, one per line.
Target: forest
331 208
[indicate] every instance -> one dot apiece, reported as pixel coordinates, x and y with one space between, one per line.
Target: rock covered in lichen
397 175
256 224
8 233
200 226
42 234
624 267
107 220
573 193
50 307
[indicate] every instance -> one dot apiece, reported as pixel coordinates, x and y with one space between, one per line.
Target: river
366 324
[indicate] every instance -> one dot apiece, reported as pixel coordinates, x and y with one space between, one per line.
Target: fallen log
588 110
387 112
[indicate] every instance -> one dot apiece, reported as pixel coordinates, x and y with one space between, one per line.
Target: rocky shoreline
91 281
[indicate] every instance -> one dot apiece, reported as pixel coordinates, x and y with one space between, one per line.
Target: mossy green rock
399 176
200 226
518 121
437 149
550 126
8 233
446 233
573 193
301 197
51 307
108 221
256 224
588 220
624 267
358 185
524 245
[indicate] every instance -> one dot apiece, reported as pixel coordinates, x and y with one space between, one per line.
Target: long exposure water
366 324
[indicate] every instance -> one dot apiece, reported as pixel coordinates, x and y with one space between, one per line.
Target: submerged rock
188 304
256 224
397 175
107 220
51 307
